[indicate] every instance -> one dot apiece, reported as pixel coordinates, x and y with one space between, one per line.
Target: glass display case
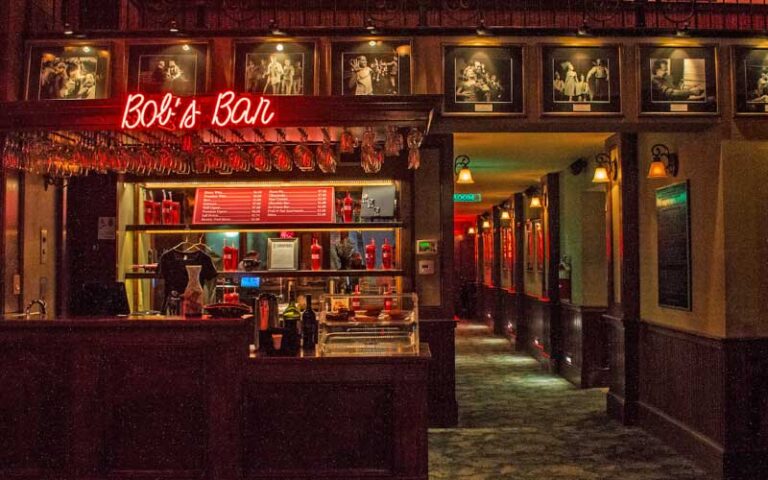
365 325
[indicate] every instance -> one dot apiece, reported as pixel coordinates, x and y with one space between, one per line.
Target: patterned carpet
518 422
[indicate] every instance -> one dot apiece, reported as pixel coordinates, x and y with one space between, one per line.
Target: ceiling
506 163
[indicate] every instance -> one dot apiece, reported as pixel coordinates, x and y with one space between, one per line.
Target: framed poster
275 68
68 72
482 80
581 80
282 254
539 229
678 80
530 257
750 80
371 67
181 69
673 218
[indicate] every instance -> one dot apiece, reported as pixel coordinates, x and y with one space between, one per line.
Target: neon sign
171 112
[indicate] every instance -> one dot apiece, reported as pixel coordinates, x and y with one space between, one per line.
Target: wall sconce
606 169
505 215
462 171
482 30
471 231
486 223
533 193
658 168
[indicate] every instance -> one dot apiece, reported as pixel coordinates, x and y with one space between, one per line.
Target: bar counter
153 397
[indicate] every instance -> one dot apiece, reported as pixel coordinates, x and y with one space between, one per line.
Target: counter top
311 356
126 321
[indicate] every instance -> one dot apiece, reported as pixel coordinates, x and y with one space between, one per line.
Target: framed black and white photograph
483 80
750 80
68 72
180 69
581 80
275 68
371 67
678 80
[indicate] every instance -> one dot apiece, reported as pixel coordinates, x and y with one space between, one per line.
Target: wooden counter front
130 399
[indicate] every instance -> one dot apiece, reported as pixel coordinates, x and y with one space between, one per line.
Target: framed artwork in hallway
750 80
539 241
275 68
377 66
678 80
530 257
482 79
68 72
181 69
581 80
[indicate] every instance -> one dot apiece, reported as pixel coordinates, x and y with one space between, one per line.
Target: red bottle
370 255
317 255
386 255
229 254
387 299
346 209
356 299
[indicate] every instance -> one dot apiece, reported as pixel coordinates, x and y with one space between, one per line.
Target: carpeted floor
518 422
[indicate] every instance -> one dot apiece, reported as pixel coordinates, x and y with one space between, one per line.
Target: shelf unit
137 239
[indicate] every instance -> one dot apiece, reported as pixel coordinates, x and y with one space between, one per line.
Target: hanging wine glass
347 142
415 137
326 158
393 144
302 154
279 155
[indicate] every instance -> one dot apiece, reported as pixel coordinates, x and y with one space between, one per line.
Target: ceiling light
462 171
275 30
660 169
482 30
68 29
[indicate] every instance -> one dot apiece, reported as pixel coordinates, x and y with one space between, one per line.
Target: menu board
255 205
674 246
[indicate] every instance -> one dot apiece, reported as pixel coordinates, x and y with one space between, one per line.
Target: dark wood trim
552 182
519 280
585 345
440 335
3 265
447 284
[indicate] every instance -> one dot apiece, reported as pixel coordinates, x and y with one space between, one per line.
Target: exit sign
467 197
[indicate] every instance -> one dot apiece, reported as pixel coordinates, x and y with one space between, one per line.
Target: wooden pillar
552 239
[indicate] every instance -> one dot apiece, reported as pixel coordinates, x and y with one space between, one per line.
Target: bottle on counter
291 314
370 255
317 255
309 325
356 298
229 255
386 255
347 208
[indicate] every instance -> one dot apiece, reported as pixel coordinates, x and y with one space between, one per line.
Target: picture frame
750 80
674 262
678 80
584 80
538 229
282 254
178 68
483 79
71 71
253 59
372 66
530 258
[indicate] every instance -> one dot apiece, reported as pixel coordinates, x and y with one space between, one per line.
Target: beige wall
582 235
39 213
745 220
699 155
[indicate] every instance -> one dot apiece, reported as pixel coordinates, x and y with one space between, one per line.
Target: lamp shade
471 231
486 224
601 175
465 176
657 170
535 201
504 215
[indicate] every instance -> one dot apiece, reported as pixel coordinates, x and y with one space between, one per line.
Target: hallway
517 422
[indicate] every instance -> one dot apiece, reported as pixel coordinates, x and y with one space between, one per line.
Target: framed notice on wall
673 217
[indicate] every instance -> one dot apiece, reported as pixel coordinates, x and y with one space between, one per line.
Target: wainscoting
513 319
538 319
585 345
706 397
616 359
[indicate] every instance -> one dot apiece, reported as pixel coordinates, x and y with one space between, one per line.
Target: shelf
288 274
264 227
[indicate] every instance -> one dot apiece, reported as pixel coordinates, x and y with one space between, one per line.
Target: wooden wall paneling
441 336
522 336
623 390
552 259
585 346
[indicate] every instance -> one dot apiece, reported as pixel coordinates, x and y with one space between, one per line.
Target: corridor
517 422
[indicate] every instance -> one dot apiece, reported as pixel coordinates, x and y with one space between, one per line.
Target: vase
192 304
